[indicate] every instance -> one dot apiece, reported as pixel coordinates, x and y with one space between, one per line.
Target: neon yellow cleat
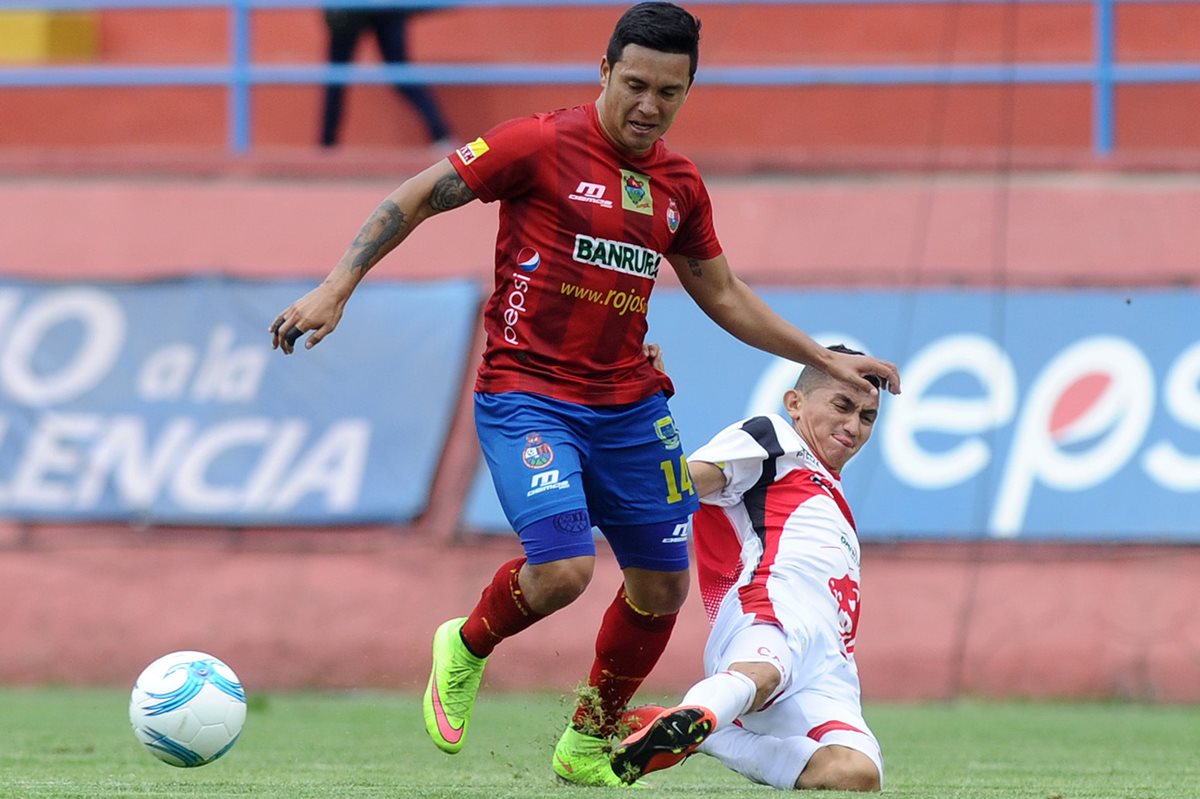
581 759
453 684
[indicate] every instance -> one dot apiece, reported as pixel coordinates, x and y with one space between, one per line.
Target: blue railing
241 73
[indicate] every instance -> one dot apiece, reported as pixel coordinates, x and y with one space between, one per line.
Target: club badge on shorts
537 453
664 428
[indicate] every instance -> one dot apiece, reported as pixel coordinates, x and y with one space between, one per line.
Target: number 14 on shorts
678 479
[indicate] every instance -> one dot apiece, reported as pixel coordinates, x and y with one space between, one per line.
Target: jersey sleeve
739 456
697 237
500 163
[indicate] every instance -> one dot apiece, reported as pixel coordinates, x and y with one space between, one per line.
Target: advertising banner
1057 414
164 403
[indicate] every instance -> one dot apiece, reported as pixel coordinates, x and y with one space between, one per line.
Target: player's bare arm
735 307
450 191
439 188
386 228
707 478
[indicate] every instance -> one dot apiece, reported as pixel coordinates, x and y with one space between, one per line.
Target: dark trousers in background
391 32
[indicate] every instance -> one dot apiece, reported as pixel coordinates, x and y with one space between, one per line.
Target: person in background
390 26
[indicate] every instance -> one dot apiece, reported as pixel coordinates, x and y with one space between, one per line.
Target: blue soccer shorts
561 468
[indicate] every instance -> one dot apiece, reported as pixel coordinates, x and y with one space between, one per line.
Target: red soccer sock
628 645
502 611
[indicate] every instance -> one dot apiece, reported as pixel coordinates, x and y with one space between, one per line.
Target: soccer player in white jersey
778 563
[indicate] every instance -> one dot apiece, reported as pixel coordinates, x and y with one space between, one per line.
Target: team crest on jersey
672 215
846 594
635 192
664 428
472 150
537 453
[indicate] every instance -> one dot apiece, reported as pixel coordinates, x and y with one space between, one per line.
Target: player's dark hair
811 377
664 27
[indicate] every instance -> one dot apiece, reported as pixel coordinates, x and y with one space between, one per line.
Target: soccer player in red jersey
571 414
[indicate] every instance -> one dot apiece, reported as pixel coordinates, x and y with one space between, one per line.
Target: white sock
764 759
728 694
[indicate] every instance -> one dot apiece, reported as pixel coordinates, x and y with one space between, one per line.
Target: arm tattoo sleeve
450 192
386 228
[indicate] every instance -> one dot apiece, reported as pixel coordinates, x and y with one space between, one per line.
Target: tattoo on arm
694 266
386 228
450 192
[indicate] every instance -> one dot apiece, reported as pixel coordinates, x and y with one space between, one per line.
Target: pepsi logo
529 259
1076 422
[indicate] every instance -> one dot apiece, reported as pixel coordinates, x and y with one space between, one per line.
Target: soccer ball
187 709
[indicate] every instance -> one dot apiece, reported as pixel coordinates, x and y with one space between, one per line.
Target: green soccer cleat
453 683
581 759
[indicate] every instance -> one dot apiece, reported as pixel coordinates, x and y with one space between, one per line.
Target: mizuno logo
593 191
678 535
590 193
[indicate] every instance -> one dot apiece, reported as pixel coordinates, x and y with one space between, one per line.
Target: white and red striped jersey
779 539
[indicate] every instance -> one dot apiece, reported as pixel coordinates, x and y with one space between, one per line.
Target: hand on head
866 373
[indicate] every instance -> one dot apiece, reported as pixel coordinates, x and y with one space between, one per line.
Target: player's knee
838 768
656 591
552 586
766 678
856 778
671 595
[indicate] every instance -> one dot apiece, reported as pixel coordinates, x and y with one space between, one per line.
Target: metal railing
241 73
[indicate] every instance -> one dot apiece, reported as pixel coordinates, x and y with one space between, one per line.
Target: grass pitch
68 744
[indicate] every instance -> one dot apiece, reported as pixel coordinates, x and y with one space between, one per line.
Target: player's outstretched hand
318 311
854 370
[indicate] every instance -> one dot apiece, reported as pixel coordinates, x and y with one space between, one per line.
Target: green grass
70 744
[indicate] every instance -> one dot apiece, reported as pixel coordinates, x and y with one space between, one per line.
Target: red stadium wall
1022 229
357 607
764 126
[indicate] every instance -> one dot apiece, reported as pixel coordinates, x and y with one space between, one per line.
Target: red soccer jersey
584 229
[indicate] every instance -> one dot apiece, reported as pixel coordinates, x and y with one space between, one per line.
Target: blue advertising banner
164 403
1063 414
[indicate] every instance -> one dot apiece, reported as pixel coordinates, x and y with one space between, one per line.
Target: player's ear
793 400
605 71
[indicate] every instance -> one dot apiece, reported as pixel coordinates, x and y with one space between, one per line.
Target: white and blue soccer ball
187 708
